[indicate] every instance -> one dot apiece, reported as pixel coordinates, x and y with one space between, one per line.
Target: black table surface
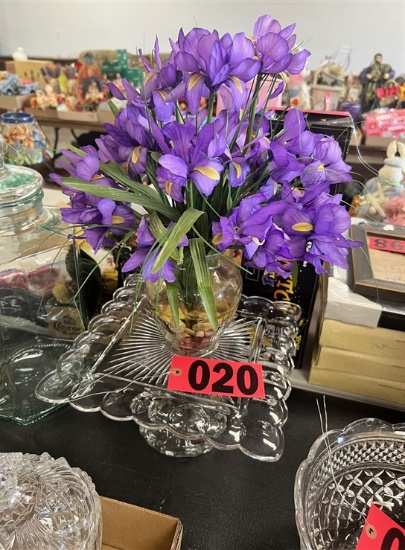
225 500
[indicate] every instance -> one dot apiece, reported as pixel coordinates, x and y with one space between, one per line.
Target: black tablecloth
226 500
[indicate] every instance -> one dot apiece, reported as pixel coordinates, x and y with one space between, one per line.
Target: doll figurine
88 70
371 78
94 93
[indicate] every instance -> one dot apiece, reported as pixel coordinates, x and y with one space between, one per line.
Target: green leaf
182 226
134 196
204 284
173 297
156 156
76 150
160 233
294 274
113 107
116 172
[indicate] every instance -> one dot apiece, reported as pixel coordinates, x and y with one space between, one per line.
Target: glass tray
120 367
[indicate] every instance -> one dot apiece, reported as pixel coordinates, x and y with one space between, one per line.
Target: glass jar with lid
25 142
41 306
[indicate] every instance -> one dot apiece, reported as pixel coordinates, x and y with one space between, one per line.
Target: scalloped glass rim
89 379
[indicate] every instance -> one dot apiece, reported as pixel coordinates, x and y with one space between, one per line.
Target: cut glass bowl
45 504
346 471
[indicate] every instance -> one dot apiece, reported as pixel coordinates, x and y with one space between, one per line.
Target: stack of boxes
353 352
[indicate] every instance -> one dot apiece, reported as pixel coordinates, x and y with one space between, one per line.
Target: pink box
391 122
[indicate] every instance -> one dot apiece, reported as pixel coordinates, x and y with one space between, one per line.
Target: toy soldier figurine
373 77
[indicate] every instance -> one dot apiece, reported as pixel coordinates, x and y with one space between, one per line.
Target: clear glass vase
194 335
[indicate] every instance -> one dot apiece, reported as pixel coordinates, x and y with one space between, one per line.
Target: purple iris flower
247 224
327 166
315 230
110 150
190 159
86 168
208 61
291 148
147 253
161 77
114 218
171 183
238 171
272 254
274 46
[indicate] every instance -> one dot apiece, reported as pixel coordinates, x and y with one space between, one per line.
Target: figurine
388 185
94 94
51 96
20 55
41 100
89 69
373 77
394 209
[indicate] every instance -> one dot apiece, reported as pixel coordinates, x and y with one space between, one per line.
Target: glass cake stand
120 367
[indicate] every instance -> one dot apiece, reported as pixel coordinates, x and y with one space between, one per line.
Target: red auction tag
381 533
216 377
389 245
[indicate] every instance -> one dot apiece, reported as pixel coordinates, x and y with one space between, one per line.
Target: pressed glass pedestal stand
120 368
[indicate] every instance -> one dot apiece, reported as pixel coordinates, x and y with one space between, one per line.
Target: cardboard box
350 362
78 116
14 102
379 342
344 305
31 70
40 114
375 388
128 527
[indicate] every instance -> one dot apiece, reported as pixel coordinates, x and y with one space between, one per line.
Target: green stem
253 112
210 108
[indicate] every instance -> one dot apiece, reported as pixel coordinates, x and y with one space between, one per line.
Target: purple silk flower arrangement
216 180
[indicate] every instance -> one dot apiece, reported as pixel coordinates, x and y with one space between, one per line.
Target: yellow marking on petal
168 187
148 77
303 226
256 241
117 220
125 167
321 167
255 58
162 94
238 169
208 172
135 154
97 177
194 80
237 83
217 239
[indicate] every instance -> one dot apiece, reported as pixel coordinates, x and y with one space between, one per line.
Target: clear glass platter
120 368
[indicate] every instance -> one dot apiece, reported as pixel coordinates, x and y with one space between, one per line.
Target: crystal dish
346 471
120 367
45 504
